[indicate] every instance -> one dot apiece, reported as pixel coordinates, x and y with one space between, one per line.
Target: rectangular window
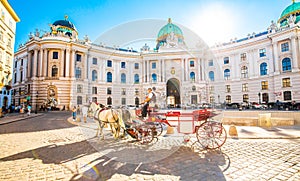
95 61
153 65
78 57
136 91
94 90
192 63
21 62
79 88
55 55
123 100
286 82
226 60
136 65
243 57
108 91
245 87
123 65
109 63
264 85
245 98
285 47
227 88
123 92
211 89
210 63
262 52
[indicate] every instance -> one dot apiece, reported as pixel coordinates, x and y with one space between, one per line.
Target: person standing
74 110
146 102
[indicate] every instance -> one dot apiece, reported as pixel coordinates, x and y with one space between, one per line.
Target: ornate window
263 68
136 79
123 92
154 78
94 75
210 63
245 98
227 88
94 61
78 58
262 52
226 74
192 76
192 63
55 55
243 57
79 88
244 72
265 97
109 101
78 73
245 87
123 65
108 91
285 47
153 65
226 60
79 100
211 76
228 99
286 82
109 63
54 71
264 85
123 101
94 90
136 65
287 95
123 78
109 77
286 64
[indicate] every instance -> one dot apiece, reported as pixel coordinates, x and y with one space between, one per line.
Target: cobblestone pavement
71 153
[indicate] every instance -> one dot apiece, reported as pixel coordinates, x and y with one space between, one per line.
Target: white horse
107 116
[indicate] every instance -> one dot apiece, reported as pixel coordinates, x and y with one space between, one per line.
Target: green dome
166 30
293 9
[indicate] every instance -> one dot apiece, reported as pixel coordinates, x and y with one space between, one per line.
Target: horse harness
116 119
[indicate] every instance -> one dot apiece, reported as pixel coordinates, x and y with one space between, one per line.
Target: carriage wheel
211 134
145 134
157 128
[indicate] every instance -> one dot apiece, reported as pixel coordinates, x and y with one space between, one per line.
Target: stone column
29 57
276 61
163 68
62 62
295 66
68 59
198 74
40 69
34 63
85 60
182 72
72 64
148 72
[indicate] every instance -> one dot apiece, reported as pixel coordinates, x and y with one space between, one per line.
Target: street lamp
259 97
36 102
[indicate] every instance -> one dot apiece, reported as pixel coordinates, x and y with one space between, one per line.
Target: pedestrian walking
74 110
28 109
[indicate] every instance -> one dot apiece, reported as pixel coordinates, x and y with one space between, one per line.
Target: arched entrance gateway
173 92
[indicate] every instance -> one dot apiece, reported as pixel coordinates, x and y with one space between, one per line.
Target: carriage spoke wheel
145 134
156 127
211 134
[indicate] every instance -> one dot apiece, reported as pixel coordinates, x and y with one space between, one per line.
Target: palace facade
58 68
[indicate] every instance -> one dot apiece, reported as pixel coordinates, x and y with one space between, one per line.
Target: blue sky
213 20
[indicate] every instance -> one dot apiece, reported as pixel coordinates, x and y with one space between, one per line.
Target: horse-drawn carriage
209 133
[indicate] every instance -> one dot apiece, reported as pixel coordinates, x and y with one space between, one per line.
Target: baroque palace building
58 68
8 20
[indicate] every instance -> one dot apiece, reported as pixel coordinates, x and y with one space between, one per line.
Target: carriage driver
146 102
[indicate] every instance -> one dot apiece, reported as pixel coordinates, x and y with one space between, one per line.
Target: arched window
123 78
244 72
94 75
78 73
228 99
211 76
136 79
154 78
226 74
79 100
263 68
109 77
54 71
109 101
192 76
286 64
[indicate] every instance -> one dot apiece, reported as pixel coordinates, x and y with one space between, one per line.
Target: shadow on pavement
183 163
